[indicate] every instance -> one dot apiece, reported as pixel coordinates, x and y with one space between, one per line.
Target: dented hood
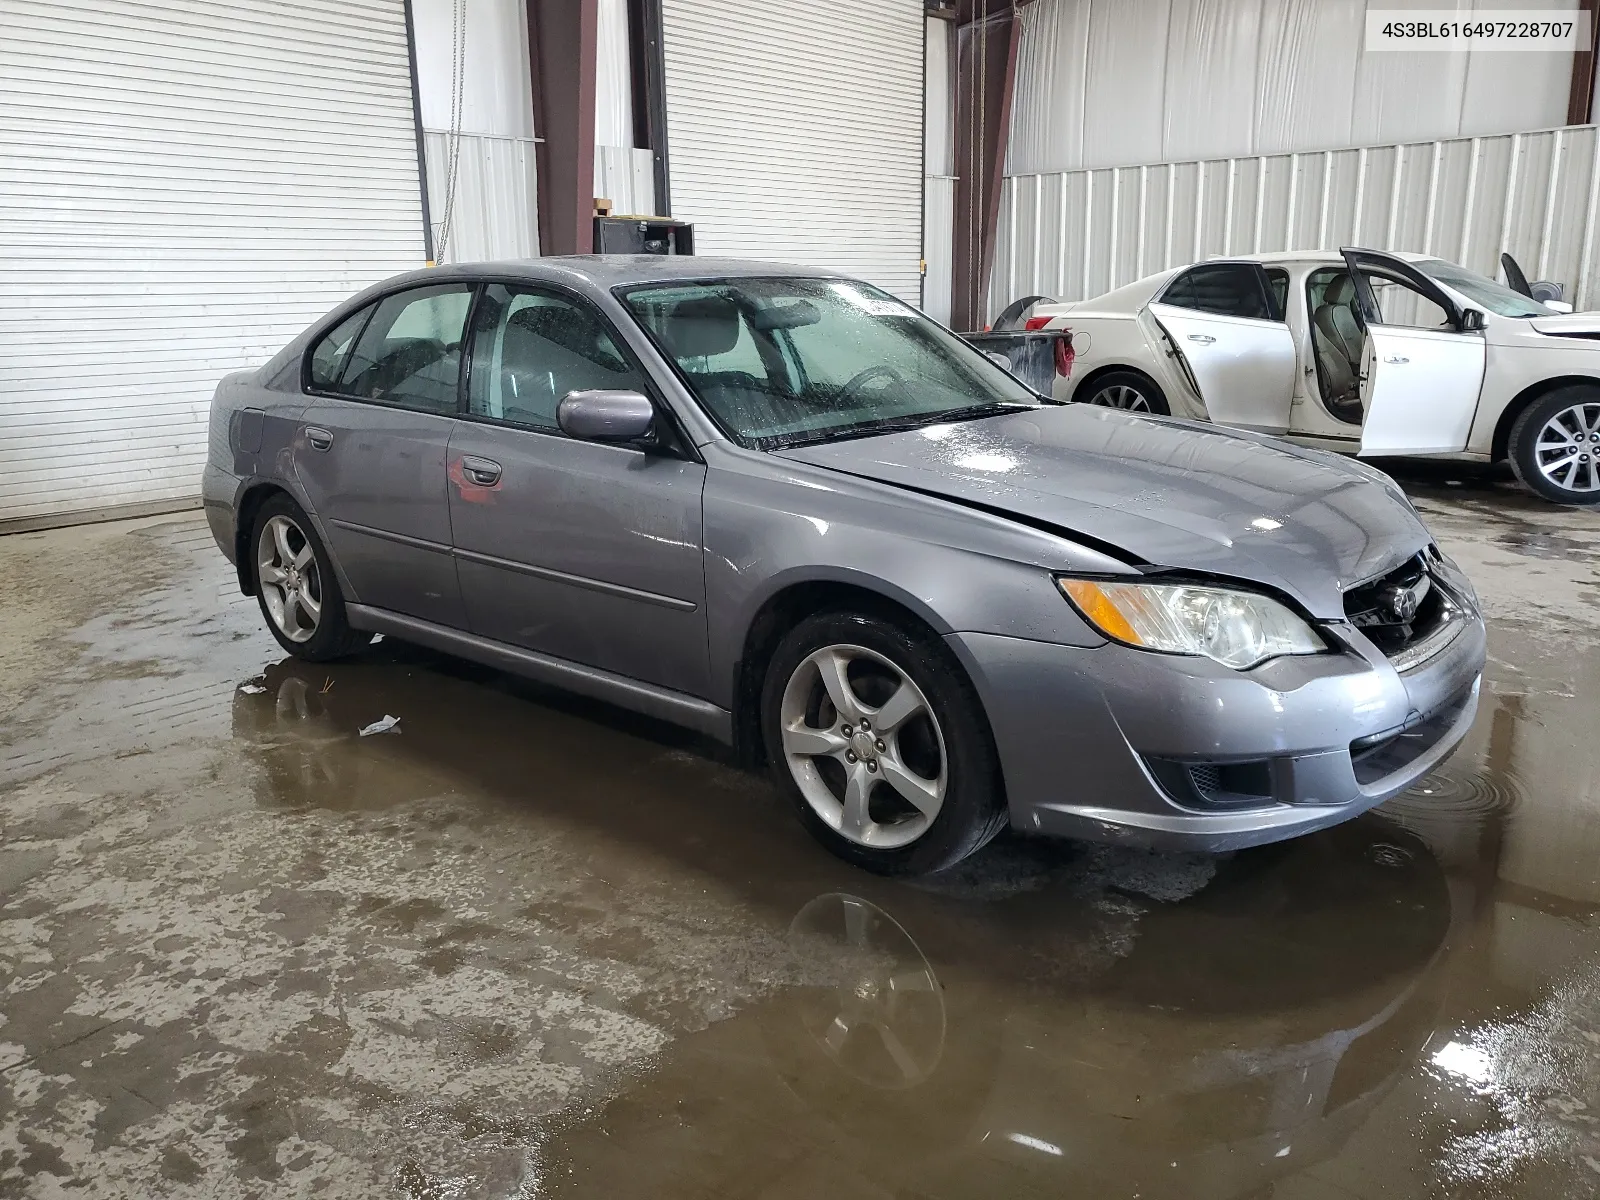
1166 493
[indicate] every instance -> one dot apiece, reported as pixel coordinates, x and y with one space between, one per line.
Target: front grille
1401 608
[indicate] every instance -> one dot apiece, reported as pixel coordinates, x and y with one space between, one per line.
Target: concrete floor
528 946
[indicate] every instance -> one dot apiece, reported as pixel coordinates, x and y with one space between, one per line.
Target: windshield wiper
972 412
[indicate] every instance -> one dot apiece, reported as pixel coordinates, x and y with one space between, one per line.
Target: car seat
707 327
1338 338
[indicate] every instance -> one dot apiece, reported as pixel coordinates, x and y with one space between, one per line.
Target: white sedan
1357 351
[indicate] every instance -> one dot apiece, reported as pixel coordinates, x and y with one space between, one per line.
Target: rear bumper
1105 743
219 491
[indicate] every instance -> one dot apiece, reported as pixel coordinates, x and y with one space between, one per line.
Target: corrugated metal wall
1075 234
185 187
1106 82
795 132
476 95
494 214
625 175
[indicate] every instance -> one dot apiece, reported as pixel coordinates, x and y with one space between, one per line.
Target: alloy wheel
863 746
290 581
1567 450
1121 396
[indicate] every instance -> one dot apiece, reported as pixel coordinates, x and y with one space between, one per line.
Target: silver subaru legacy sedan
787 510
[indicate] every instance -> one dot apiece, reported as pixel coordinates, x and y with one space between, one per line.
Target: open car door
1224 326
1419 382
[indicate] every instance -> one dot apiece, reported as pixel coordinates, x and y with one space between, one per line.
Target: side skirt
689 711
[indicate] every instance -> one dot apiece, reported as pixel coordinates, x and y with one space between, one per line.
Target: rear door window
1223 289
409 355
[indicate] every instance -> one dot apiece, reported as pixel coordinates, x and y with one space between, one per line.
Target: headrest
1341 291
701 328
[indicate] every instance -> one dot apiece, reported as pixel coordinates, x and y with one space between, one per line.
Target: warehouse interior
404 924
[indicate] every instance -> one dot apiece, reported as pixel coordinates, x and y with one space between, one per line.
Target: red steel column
987 35
561 56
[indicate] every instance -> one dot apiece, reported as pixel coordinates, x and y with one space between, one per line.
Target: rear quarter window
328 355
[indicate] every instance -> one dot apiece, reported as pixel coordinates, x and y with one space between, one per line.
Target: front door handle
320 439
481 471
1205 339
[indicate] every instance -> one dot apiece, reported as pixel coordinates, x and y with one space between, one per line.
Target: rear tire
876 735
1554 446
296 585
1128 390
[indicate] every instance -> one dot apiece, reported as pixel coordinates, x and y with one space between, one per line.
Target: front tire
1128 390
296 585
1554 446
877 737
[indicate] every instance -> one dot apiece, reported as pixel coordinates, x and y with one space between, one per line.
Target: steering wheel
861 378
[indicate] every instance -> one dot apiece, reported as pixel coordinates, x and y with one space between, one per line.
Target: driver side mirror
1471 321
606 416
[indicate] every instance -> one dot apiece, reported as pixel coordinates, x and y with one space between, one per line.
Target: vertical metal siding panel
495 87
795 132
1586 257
1527 215
624 176
939 230
494 214
1047 115
1123 80
263 168
938 165
1104 83
1212 52
613 81
1552 192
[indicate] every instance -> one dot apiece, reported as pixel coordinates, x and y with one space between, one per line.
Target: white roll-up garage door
794 132
184 185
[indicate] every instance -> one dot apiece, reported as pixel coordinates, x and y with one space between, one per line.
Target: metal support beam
987 35
1580 99
562 50
416 125
650 94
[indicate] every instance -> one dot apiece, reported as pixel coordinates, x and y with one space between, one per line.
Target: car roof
1294 256
605 271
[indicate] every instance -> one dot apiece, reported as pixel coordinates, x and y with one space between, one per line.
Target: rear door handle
320 439
481 471
1205 339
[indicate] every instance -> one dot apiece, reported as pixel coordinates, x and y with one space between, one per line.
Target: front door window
529 349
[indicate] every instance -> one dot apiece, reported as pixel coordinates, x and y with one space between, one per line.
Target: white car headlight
1237 629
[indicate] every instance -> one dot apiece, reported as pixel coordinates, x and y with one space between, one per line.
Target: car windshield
782 362
1495 297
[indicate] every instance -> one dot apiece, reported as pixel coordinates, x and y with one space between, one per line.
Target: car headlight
1237 629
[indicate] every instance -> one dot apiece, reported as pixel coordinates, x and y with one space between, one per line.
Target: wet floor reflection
1063 1019
1239 1036
1375 1010
525 944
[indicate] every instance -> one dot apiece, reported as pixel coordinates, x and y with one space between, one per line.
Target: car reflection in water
1242 1037
1071 1038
